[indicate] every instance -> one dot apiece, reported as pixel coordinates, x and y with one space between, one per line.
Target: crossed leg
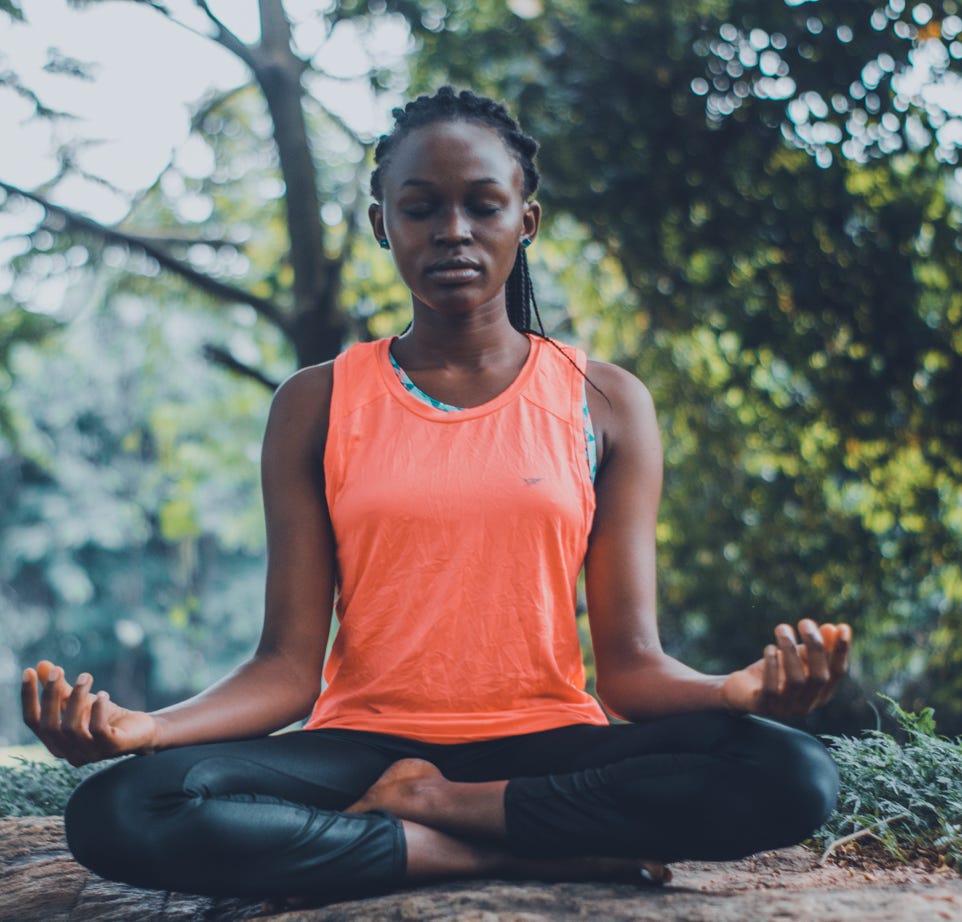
330 813
707 785
457 829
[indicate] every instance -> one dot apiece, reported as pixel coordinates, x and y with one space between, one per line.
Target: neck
473 339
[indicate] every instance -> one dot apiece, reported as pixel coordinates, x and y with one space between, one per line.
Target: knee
816 783
805 780
101 820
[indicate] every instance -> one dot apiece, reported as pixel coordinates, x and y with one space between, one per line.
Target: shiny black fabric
261 817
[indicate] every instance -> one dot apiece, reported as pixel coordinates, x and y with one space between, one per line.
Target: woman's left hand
792 678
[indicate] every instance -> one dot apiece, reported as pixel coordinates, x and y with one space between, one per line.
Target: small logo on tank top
531 481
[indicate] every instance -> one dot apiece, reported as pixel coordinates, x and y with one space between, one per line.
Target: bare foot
446 812
404 783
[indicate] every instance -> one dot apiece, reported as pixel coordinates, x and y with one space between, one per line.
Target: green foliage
782 210
909 793
744 208
12 9
131 539
39 788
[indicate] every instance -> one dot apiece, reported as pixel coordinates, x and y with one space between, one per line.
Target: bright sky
148 72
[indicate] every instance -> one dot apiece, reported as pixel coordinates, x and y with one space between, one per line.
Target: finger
791 661
44 670
829 634
843 645
838 661
770 680
100 727
76 714
29 700
816 662
52 698
51 707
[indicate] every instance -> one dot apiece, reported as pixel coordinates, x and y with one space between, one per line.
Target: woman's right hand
78 725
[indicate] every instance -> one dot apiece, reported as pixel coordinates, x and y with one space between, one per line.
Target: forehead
453 152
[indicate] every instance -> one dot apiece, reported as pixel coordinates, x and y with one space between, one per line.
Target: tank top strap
558 384
357 381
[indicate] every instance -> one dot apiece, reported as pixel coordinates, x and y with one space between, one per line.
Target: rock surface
40 881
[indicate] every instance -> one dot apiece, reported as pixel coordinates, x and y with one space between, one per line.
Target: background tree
753 207
131 540
776 182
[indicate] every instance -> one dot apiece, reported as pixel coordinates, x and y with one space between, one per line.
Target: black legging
260 818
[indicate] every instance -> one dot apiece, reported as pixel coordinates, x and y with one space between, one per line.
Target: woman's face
454 214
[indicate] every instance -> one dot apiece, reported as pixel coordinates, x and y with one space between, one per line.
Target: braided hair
448 106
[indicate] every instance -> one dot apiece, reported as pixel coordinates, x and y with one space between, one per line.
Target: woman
450 484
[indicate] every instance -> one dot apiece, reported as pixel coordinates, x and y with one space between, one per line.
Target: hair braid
447 105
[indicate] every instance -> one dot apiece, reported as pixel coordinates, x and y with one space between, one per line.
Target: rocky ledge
40 881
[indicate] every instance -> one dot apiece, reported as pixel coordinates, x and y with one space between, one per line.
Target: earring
384 244
526 242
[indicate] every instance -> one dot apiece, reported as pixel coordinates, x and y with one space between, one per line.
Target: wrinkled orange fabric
459 537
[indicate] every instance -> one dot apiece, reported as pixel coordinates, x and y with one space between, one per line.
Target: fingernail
26 675
84 678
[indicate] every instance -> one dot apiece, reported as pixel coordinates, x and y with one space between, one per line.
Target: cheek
503 234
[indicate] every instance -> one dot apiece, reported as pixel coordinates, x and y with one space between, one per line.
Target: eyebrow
474 182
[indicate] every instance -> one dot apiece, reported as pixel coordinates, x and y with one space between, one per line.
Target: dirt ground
40 881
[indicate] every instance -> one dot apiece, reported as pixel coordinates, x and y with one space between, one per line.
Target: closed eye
417 211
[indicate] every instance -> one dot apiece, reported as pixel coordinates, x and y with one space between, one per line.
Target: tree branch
339 122
215 101
224 36
867 831
77 222
220 356
172 238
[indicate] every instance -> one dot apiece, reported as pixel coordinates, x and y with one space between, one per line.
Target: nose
453 227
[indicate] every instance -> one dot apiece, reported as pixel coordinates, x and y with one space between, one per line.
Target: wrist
160 734
733 695
722 692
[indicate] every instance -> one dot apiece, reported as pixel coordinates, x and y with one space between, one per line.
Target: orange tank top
460 537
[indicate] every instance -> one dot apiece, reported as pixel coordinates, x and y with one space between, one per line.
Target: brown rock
40 881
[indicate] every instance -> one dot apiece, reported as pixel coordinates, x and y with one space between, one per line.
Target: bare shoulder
621 406
306 387
300 409
621 386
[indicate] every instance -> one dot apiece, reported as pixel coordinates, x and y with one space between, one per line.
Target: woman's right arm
281 680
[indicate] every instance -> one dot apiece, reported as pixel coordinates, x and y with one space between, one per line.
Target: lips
454 270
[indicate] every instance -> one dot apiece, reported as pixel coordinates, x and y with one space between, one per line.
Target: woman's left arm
636 679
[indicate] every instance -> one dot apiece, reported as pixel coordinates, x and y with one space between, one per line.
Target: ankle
434 855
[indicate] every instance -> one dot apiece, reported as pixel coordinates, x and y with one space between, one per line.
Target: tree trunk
316 277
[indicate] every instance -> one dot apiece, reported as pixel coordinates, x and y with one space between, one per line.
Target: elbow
627 685
293 682
616 698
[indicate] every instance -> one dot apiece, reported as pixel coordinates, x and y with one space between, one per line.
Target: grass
38 788
903 795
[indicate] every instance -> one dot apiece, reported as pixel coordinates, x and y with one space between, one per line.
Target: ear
531 220
375 215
